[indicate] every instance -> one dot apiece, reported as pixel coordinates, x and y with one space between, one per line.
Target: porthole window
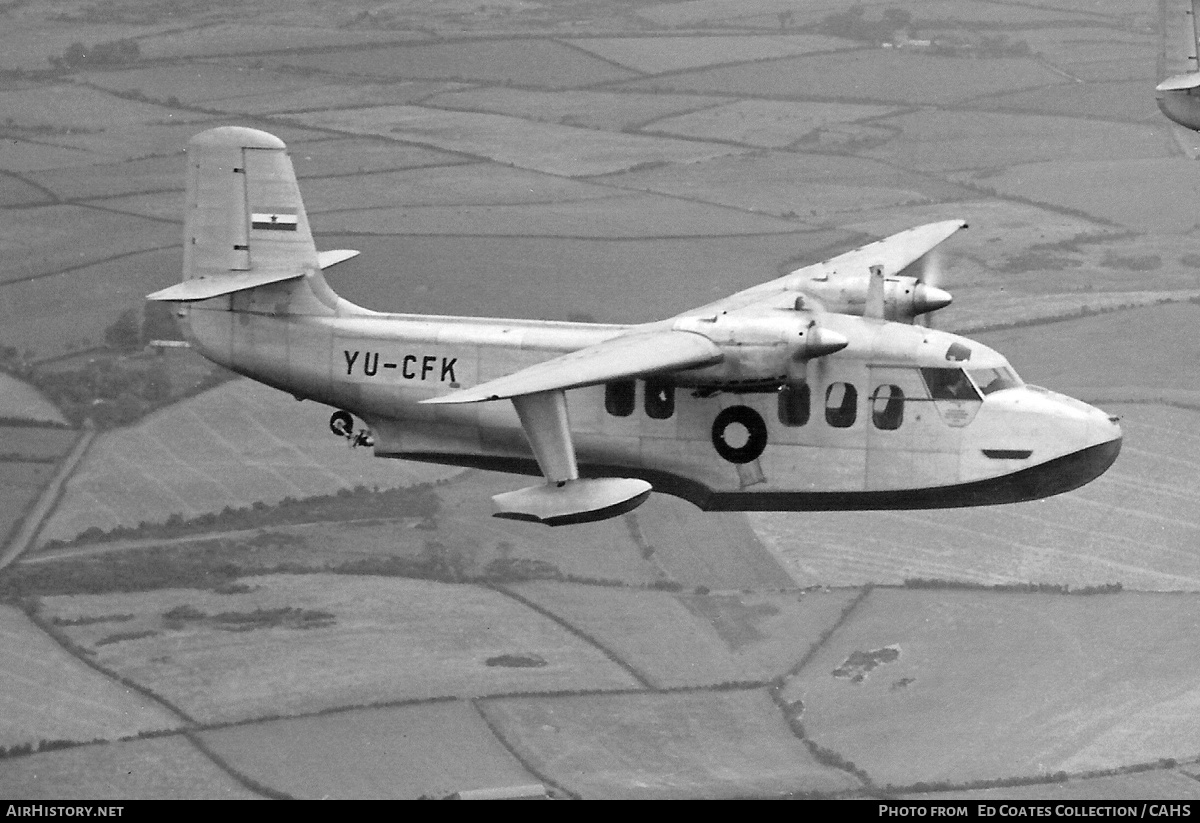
841 405
619 398
660 400
887 407
794 403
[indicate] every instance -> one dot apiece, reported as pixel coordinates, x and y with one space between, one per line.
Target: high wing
634 354
643 353
892 254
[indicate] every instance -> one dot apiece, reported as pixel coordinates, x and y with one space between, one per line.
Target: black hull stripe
1063 474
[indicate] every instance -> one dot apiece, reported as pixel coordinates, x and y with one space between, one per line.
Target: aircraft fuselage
876 425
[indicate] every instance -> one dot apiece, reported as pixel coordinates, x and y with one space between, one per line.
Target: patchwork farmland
225 601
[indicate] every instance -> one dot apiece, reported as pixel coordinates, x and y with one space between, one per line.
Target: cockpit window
959 352
949 384
992 380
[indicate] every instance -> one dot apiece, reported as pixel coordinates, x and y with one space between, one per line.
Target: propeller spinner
927 296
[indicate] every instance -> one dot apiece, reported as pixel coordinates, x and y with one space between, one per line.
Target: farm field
1071 369
30 234
654 55
621 162
588 109
49 695
1137 526
550 148
164 768
861 75
644 746
14 192
253 90
988 686
763 123
680 641
535 62
35 443
952 141
25 474
805 187
230 446
21 401
746 12
152 174
237 38
610 280
46 316
399 752
389 639
65 112
617 217
479 185
662 541
1123 100
17 495
1151 200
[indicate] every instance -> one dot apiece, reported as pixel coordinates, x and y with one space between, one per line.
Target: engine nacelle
760 352
903 297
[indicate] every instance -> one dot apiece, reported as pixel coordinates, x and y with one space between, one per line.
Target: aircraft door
895 407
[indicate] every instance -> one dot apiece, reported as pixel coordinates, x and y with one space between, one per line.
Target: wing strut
564 498
544 418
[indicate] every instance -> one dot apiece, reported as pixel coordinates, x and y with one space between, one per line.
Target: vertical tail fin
245 224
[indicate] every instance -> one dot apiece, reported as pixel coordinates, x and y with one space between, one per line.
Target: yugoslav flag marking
275 220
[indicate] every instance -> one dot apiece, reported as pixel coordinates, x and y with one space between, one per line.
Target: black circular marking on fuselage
755 444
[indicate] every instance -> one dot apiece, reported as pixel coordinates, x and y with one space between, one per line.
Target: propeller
927 296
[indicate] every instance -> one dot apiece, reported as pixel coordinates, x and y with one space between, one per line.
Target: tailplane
245 224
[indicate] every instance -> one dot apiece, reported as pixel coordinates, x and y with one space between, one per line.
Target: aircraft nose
1103 427
1102 441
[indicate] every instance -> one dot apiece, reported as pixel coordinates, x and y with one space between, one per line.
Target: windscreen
949 384
994 380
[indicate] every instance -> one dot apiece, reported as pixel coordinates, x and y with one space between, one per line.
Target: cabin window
660 400
887 407
990 380
949 384
619 398
794 402
841 405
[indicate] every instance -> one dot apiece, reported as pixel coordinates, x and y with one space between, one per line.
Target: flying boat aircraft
816 390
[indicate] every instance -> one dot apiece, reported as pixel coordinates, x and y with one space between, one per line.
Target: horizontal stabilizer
325 259
202 288
215 285
618 358
575 501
